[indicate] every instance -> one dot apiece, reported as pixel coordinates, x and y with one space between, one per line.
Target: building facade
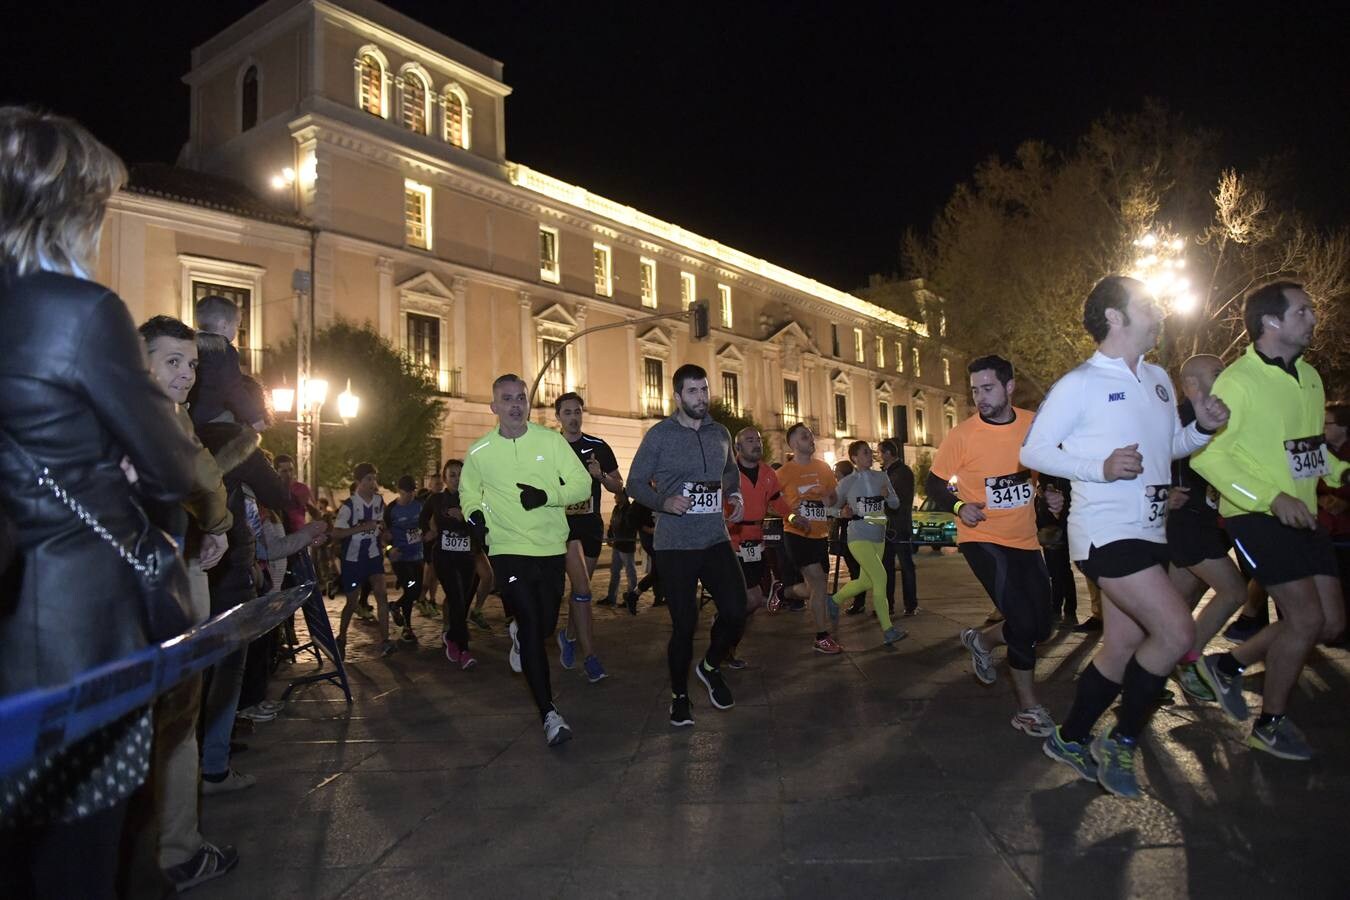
379 146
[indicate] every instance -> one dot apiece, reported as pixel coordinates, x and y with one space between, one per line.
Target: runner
899 530
404 532
586 533
689 458
1266 465
426 604
1111 428
1196 542
867 494
358 525
760 494
454 557
808 488
517 480
996 532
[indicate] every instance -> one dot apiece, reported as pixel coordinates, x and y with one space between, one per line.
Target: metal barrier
36 723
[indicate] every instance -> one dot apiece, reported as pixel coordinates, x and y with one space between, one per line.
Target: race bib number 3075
705 498
1307 456
1008 491
455 542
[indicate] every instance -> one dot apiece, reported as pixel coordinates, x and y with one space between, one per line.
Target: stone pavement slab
877 773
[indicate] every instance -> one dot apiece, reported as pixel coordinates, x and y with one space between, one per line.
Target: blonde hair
55 181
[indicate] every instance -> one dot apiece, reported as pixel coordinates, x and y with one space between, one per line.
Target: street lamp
1160 262
308 404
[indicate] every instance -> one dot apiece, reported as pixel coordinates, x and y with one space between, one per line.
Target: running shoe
775 601
1192 685
894 635
1281 738
718 692
630 600
909 612
980 659
466 660
389 648
452 651
275 706
732 662
555 729
1227 690
479 621
1035 721
256 714
396 614
1088 626
207 863
514 656
828 646
233 781
1243 627
365 614
855 607
833 609
1115 765
594 671
679 710
567 650
1073 754
407 636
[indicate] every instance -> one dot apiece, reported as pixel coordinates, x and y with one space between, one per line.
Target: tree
400 409
1016 249
723 413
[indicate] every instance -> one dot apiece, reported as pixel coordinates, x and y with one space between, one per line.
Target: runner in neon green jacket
493 470
1273 442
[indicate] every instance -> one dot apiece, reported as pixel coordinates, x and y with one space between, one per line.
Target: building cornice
206 222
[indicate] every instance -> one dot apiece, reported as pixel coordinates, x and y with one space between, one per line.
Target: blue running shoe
1072 754
1115 765
567 650
594 671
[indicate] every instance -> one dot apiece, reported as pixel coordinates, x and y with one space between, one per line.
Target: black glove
478 527
531 497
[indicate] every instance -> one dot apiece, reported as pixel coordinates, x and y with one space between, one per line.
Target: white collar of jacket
1098 358
237 449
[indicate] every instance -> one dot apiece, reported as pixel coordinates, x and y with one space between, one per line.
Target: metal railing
784 421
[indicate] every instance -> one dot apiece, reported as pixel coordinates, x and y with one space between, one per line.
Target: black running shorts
1193 538
590 530
1275 553
1121 558
807 551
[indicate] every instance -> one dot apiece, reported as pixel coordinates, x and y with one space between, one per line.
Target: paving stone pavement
878 773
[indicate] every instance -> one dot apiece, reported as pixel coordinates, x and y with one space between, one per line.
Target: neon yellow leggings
872 578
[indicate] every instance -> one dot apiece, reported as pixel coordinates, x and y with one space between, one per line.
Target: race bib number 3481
1307 456
705 498
1008 491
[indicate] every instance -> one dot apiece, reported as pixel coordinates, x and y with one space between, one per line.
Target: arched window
248 99
370 67
458 116
415 113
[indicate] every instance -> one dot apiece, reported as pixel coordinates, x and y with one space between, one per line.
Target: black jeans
1064 592
455 572
720 571
904 553
533 585
408 574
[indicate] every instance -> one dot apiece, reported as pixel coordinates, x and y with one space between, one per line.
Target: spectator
75 397
222 391
623 546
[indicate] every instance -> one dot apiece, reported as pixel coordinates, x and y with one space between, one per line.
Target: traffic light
699 323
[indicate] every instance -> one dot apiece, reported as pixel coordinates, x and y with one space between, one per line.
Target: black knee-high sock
1095 694
1139 694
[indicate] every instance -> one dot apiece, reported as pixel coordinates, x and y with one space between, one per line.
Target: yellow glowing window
417 214
454 120
372 85
414 104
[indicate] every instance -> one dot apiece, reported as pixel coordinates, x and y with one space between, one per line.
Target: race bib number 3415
1008 491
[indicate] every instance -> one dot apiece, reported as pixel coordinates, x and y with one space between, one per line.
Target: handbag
161 575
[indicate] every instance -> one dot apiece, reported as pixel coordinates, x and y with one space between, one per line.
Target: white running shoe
555 729
515 651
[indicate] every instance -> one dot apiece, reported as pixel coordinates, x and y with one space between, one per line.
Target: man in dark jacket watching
899 530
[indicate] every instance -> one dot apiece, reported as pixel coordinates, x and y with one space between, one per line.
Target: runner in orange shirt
760 492
808 486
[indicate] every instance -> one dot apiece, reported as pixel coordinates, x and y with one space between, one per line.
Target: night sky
804 133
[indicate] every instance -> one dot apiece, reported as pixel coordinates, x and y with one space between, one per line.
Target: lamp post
1160 262
307 401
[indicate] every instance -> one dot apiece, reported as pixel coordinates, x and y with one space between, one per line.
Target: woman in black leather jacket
76 394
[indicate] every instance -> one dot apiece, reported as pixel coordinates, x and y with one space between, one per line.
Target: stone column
388 310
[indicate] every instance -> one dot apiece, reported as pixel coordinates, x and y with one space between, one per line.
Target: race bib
812 510
455 542
1008 491
705 498
1155 505
751 551
584 508
1307 456
870 506
412 537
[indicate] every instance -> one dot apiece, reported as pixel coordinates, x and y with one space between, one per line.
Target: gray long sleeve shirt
868 493
692 462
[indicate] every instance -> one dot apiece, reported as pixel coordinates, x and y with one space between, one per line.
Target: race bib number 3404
1307 456
705 498
1008 491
